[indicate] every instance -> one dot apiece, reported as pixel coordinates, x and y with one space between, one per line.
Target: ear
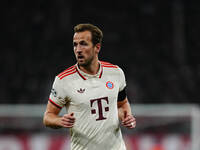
98 47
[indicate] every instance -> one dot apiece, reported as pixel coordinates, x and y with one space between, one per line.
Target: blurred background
156 43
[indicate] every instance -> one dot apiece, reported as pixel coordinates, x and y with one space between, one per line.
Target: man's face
84 49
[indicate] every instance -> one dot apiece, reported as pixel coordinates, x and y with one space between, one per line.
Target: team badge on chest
109 85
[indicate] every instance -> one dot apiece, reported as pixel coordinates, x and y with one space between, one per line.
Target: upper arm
122 97
51 118
57 96
121 103
122 80
51 108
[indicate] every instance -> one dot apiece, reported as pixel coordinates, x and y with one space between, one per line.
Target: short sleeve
57 95
122 80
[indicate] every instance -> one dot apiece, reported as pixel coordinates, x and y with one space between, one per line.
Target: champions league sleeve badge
53 92
109 85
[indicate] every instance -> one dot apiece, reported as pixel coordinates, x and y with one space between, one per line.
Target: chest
93 90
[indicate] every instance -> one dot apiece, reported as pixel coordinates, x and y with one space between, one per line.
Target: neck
92 69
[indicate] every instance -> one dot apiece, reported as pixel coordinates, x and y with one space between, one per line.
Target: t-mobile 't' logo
100 108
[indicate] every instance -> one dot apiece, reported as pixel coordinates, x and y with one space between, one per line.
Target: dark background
156 43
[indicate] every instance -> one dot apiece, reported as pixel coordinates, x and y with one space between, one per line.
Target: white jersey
93 100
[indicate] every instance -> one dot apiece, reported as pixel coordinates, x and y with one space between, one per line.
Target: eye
83 43
74 44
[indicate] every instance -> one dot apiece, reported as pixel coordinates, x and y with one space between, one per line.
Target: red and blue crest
109 85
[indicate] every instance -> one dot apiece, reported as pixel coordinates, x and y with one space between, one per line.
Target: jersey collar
86 76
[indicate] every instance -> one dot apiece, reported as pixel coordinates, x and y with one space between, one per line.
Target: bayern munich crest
109 85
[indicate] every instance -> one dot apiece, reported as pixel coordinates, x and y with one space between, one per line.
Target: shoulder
110 66
67 72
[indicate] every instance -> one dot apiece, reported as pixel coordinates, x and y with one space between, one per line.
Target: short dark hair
97 34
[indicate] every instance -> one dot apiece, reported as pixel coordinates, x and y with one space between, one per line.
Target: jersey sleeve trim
54 103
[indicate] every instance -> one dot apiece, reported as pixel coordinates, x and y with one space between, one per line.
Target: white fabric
93 100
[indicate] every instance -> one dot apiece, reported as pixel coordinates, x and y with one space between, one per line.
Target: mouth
80 57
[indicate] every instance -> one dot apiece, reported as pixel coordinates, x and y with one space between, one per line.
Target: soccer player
94 94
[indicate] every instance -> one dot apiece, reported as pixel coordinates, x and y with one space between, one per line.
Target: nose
78 48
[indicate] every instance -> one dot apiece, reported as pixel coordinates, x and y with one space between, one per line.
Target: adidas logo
81 90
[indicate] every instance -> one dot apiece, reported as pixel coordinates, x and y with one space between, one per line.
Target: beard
85 62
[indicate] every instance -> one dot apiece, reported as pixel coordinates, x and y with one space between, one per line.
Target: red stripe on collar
80 74
101 72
